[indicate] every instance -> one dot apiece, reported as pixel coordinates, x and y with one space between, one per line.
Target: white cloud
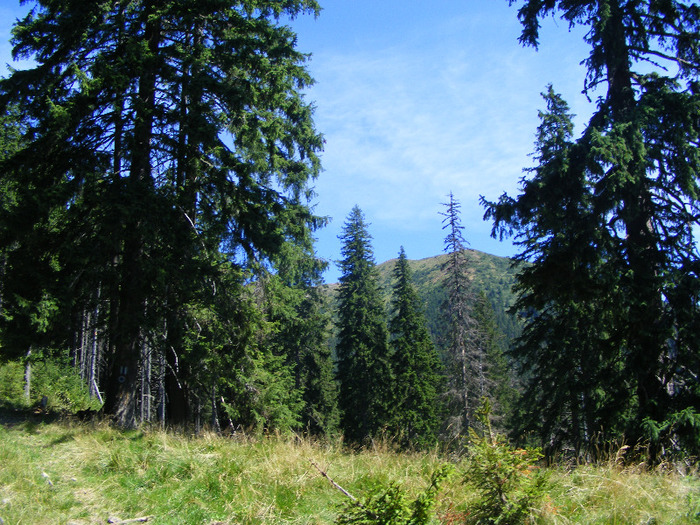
400 131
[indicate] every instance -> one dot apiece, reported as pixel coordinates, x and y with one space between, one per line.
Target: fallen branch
130 520
341 489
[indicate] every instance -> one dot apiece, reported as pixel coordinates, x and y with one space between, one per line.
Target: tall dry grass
65 472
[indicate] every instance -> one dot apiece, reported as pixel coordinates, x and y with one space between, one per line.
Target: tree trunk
645 336
176 391
28 377
123 382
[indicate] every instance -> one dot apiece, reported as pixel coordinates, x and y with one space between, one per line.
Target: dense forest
157 228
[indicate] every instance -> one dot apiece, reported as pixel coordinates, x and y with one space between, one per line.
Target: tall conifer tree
299 331
364 372
416 365
565 349
637 164
466 376
171 149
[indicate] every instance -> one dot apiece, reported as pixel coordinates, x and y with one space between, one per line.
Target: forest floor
55 470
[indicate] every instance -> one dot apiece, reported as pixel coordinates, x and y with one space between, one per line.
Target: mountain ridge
492 274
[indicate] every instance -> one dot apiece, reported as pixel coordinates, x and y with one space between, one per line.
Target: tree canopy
168 151
415 363
615 272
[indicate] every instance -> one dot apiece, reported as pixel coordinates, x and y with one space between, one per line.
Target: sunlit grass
615 494
83 474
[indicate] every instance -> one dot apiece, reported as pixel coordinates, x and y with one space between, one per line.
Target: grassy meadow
61 471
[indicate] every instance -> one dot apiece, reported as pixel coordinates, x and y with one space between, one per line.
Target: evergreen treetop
415 363
364 372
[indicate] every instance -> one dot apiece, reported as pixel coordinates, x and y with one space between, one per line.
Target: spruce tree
171 151
466 375
30 291
565 349
314 370
364 372
10 142
636 166
297 329
415 363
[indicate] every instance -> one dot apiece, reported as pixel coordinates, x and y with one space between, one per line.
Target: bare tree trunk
93 358
161 390
214 416
197 417
85 343
28 377
3 266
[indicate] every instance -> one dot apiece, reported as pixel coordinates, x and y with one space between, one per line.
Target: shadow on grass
65 438
30 419
15 415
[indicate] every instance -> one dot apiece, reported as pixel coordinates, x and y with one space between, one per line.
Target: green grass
64 472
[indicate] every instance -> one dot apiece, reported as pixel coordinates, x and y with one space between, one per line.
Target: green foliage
267 399
681 429
609 222
296 330
569 363
391 505
415 365
507 480
12 382
62 386
58 381
155 170
229 355
364 372
30 297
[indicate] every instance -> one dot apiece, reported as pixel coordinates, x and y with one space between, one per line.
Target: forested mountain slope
491 274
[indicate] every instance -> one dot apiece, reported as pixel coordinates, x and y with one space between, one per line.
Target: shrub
57 380
12 382
390 505
62 385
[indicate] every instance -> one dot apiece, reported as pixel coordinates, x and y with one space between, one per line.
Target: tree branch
131 520
341 489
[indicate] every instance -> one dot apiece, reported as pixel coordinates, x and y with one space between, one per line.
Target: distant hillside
490 273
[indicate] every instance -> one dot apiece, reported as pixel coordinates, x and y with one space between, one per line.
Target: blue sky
417 99
420 98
